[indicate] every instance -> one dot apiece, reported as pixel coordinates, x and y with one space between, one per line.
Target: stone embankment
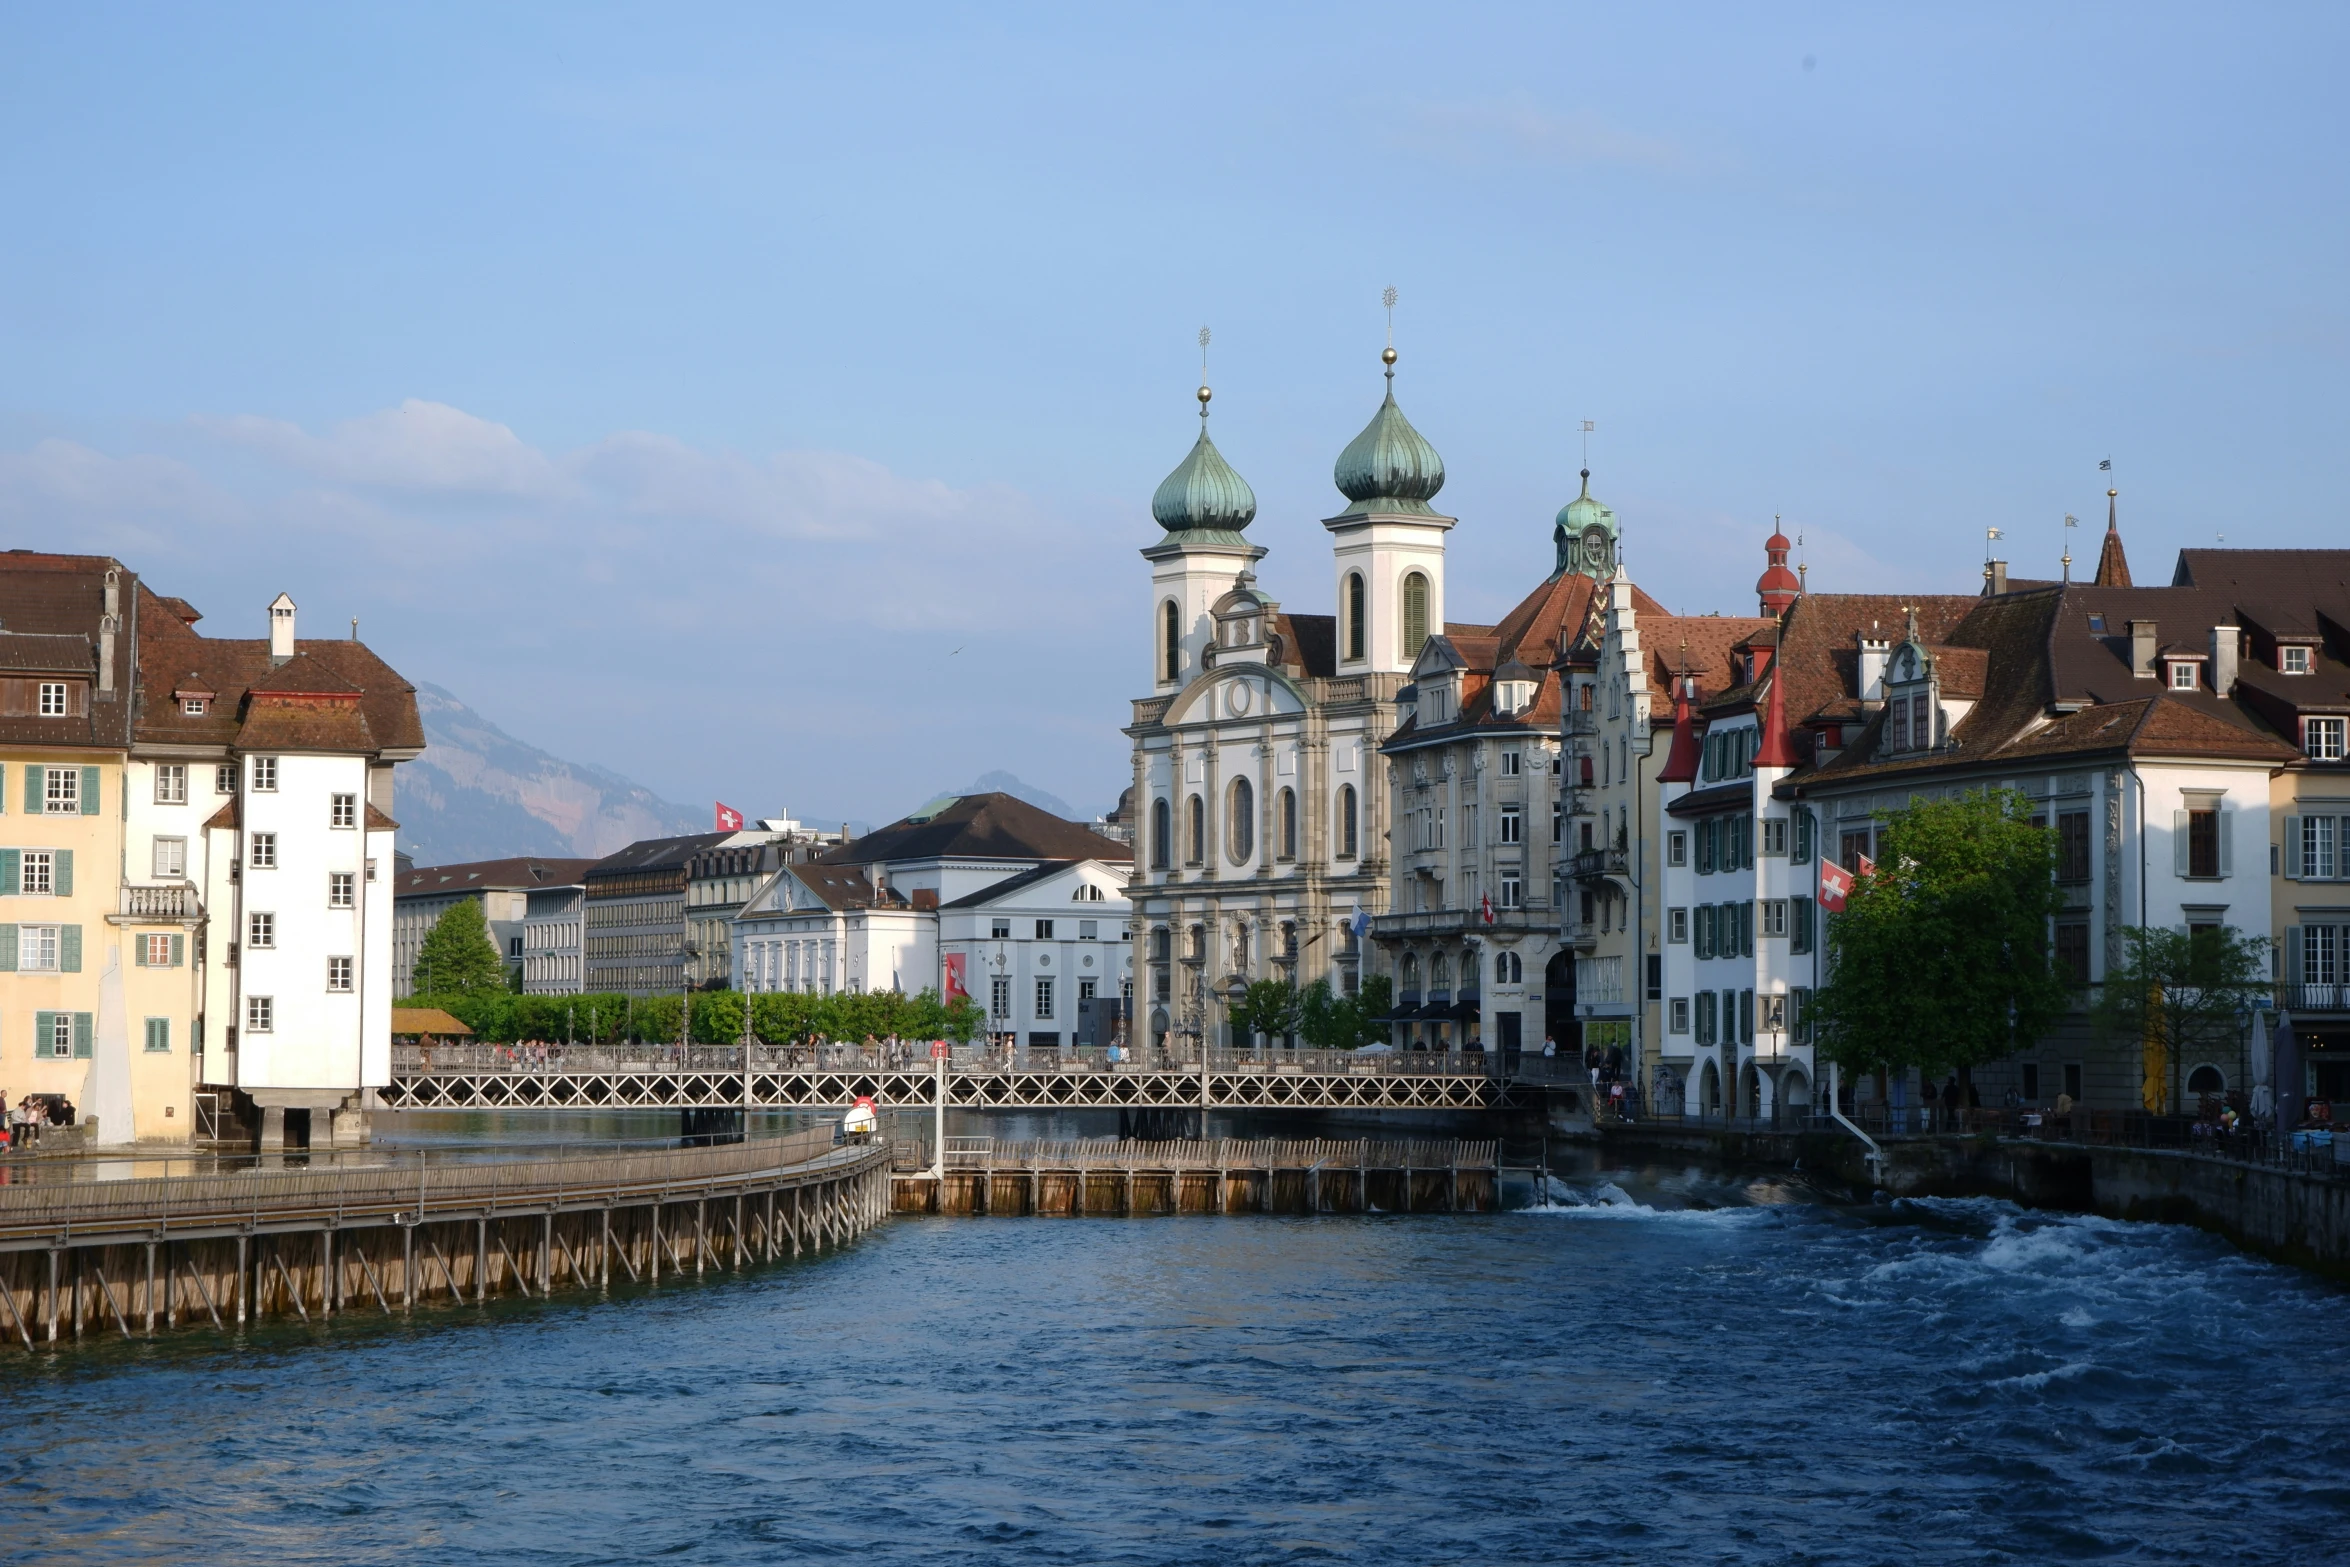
2289 1215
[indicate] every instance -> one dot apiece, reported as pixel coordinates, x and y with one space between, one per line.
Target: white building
552 954
1045 952
1260 804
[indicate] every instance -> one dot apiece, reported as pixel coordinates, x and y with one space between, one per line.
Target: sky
765 403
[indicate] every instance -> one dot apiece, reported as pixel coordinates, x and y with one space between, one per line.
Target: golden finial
1387 356
1204 393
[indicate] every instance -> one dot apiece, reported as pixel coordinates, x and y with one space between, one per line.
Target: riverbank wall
2288 1215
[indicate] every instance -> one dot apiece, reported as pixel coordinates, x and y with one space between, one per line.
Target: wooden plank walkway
1124 1178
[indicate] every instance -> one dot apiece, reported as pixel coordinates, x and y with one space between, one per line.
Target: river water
1662 1366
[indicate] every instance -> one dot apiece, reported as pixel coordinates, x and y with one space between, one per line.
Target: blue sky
681 386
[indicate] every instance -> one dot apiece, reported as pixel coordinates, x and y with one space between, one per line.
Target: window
1709 837
38 948
2293 660
1801 923
155 950
171 783
1702 941
999 996
1512 890
1044 932
2203 843
1240 827
344 812
514 944
1708 1025
52 699
1677 1021
2096 625
1044 998
1162 835
1509 764
224 778
1346 821
264 852
2072 1079
61 791
60 1033
1806 833
338 974
2182 675
1676 924
1897 725
1288 824
1085 991
171 858
37 873
260 1014
1170 641
1002 930
158 1035
260 930
1774 918
1656 977
265 774
2072 952
1676 848
2072 847
1774 835
1853 847
194 706
1089 930
1415 614
2318 844
340 886
1195 843
1354 614
2321 738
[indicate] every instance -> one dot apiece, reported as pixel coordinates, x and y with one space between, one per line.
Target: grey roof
655 854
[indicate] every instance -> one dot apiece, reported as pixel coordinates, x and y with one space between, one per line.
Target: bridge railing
155 1204
914 1056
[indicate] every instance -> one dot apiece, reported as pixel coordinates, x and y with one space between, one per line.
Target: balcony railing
2314 998
173 902
1592 864
1445 922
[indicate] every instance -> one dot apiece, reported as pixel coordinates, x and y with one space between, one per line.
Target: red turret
1775 748
1681 761
1777 587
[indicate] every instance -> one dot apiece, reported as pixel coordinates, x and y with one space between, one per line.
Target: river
1663 1366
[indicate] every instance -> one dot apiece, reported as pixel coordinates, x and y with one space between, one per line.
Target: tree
1269 1007
458 957
1941 959
1330 1021
2180 994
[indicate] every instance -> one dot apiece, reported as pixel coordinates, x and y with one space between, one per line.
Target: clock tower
1586 536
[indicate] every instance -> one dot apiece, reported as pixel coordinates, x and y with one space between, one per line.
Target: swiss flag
953 980
1835 886
729 819
1485 907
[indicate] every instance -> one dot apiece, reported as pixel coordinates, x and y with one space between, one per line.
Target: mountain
478 793
1000 782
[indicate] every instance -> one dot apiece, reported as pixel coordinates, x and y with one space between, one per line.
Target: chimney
1873 652
281 630
2142 649
879 878
2227 643
1995 572
108 624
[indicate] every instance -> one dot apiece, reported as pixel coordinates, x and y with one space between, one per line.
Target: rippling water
1657 1369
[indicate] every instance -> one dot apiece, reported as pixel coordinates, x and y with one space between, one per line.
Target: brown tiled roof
377 821
519 872
1536 633
305 724
1699 645
25 652
170 650
984 827
51 607
1820 646
228 816
1309 643
2113 567
843 887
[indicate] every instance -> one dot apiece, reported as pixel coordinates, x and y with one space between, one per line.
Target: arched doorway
1558 1006
1794 1096
1749 1091
1709 1090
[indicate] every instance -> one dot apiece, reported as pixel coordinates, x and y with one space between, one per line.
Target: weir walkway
731 1077
980 1176
129 1256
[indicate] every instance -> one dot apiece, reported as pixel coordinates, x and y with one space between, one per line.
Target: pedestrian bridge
775 1077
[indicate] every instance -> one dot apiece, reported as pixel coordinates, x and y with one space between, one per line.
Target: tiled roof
51 607
842 887
1536 633
518 873
1009 885
653 854
170 651
984 827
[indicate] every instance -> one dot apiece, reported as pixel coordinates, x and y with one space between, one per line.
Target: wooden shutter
44 1035
11 872
179 951
81 1036
2290 859
2178 844
7 949
89 791
32 788
159 1034
69 949
2292 954
2223 827
61 873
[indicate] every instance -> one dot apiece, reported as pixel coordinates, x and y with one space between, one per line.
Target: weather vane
2070 522
1387 356
1204 393
1588 427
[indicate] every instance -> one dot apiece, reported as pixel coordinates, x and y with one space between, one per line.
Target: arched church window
1171 641
1195 846
1440 973
1288 819
1408 973
1414 614
1240 828
1162 835
1354 614
1346 821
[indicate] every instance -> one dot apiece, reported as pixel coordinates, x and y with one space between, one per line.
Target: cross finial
1387 356
1204 393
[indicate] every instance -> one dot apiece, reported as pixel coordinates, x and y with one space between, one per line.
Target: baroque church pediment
1244 691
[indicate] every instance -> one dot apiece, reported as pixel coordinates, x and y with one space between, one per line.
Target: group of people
21 1123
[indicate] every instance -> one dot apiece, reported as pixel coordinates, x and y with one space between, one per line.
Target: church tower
1204 506
1388 544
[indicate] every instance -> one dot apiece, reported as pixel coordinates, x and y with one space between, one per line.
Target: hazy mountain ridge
478 793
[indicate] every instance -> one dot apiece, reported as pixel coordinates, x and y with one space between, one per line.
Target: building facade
503 888
633 917
553 918
720 881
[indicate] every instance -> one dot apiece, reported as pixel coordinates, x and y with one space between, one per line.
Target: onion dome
1203 494
1390 467
1586 535
1777 587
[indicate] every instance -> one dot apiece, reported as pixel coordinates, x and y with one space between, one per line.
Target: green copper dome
1390 466
1586 535
1203 494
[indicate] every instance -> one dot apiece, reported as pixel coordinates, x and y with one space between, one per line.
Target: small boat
859 1125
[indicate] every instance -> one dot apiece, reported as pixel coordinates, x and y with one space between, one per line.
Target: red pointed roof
1681 761
1776 748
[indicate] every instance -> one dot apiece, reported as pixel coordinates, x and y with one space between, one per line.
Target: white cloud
419 445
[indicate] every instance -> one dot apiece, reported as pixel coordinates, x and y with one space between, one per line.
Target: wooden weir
220 1251
1110 1176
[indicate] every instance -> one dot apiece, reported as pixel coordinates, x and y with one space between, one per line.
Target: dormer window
53 702
1513 696
2182 675
195 706
2292 661
2096 625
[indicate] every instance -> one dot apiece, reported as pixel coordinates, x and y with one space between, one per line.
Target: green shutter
32 788
44 1032
81 1036
11 872
179 951
61 875
69 949
159 1034
2289 859
89 791
7 949
2292 954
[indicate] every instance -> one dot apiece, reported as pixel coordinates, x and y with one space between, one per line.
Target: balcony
1599 864
172 901
1459 922
2298 999
1582 721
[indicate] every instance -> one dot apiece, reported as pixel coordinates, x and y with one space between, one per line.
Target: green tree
1269 1007
458 957
1941 959
1330 1021
2179 995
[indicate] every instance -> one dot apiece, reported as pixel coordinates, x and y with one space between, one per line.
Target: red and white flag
1835 886
1485 908
729 819
953 978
